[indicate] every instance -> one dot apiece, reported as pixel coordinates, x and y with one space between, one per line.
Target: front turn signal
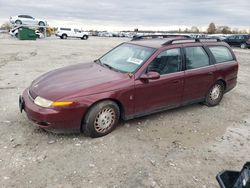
62 103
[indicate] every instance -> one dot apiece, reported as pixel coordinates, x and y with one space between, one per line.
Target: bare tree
226 30
6 26
194 29
211 28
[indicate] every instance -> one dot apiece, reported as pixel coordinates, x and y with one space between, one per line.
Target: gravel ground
184 147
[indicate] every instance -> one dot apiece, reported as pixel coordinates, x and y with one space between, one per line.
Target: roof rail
158 36
190 40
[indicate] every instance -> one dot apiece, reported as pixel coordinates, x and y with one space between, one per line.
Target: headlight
47 103
42 102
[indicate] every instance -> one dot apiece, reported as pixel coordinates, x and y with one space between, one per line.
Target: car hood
81 79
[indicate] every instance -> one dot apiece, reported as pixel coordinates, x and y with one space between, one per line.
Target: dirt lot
185 147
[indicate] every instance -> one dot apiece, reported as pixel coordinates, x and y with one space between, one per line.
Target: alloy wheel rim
104 120
216 92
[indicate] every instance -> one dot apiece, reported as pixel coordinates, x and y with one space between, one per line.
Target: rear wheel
243 46
101 119
64 36
18 22
215 94
85 37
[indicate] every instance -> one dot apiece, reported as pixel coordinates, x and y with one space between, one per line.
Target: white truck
64 33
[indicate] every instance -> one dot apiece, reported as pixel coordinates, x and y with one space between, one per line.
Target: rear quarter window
221 54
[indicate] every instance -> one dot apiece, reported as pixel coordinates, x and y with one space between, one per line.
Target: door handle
210 73
176 81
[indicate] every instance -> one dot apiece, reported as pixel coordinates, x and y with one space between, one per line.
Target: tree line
212 29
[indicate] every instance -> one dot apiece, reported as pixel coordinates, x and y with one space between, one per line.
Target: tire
85 37
215 94
101 119
64 36
41 23
243 46
18 22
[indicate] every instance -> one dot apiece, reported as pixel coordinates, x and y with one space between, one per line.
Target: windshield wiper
98 61
110 67
107 65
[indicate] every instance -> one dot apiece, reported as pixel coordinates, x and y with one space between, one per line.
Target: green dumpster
25 33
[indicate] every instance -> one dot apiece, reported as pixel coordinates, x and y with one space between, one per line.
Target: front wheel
215 94
101 119
85 37
41 23
243 46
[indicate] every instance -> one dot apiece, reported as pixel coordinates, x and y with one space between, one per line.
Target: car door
79 34
28 20
199 74
231 40
239 40
23 19
165 92
76 33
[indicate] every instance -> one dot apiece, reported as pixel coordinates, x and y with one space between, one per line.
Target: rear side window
221 53
196 57
25 16
65 29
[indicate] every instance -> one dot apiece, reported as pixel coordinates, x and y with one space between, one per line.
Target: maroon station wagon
136 78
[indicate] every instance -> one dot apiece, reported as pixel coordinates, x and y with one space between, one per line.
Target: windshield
126 57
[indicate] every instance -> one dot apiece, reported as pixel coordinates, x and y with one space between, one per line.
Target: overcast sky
130 14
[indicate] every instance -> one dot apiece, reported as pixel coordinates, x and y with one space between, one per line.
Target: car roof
153 43
160 42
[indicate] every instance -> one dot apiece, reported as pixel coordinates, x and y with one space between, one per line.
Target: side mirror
150 76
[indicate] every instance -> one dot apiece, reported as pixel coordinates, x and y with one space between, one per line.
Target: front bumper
54 120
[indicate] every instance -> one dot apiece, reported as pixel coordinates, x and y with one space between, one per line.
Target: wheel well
224 83
121 108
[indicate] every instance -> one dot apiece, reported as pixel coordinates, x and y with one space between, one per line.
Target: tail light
248 40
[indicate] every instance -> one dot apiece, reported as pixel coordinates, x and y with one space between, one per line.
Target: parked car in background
64 33
27 20
218 36
242 41
14 32
134 79
105 34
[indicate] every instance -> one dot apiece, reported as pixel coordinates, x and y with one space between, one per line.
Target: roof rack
190 40
159 36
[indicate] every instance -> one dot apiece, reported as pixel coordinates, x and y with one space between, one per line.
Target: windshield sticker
134 60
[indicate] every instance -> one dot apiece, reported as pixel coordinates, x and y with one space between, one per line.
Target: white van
64 33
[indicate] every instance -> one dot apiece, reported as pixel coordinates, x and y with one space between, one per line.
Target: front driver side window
166 62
